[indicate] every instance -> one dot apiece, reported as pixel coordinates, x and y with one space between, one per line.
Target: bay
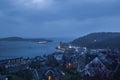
9 49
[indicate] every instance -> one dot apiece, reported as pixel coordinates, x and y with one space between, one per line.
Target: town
69 62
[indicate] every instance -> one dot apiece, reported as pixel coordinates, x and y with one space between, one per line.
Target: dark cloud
72 18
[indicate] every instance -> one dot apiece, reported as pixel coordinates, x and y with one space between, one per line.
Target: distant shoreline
25 39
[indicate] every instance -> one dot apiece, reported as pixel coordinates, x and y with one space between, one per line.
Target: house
95 67
58 56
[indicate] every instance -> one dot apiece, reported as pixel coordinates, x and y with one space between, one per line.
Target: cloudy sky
58 18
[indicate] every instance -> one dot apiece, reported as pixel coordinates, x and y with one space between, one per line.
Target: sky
58 18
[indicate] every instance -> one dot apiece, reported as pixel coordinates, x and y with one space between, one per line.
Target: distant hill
24 39
99 40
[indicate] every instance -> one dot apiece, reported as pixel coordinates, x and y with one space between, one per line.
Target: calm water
28 49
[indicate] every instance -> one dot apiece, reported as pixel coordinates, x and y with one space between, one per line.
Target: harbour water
9 49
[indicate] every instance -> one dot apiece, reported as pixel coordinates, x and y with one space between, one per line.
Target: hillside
99 40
